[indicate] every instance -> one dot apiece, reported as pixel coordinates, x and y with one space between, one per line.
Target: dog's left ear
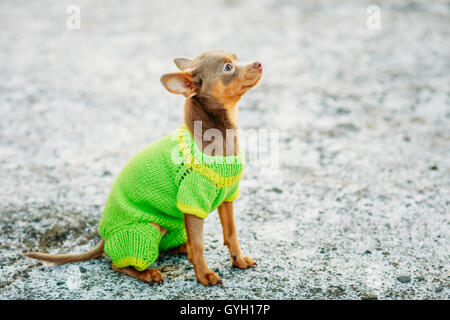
180 83
182 63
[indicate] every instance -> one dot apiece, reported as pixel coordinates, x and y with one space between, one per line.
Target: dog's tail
66 258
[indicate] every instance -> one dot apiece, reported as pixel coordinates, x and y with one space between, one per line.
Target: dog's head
213 73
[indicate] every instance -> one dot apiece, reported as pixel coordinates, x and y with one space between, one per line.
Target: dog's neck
212 115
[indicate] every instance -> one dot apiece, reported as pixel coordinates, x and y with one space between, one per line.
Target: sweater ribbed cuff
185 208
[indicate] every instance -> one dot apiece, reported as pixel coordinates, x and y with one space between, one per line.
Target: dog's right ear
182 63
180 83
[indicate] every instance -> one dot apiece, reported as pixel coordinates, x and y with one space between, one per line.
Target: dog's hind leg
148 275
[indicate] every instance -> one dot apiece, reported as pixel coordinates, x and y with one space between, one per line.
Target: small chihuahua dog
156 204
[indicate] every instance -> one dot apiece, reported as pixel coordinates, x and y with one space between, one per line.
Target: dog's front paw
243 262
208 278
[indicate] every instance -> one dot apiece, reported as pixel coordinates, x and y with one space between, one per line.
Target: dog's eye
228 68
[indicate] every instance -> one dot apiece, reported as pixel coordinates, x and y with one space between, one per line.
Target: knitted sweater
159 184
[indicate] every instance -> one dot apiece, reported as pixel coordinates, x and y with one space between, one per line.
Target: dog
163 194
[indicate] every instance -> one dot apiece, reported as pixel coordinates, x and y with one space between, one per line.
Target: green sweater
159 184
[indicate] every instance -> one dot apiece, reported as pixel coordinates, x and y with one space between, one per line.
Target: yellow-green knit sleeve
196 195
233 194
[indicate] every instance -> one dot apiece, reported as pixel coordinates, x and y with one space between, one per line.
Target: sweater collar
222 170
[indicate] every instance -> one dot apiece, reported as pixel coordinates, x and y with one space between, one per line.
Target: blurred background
358 208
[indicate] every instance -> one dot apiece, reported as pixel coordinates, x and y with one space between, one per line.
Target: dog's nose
258 66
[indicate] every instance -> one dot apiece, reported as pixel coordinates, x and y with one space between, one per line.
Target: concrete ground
358 206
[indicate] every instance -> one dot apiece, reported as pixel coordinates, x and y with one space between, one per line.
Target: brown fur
149 275
212 115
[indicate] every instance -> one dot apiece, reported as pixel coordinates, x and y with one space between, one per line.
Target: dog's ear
182 63
180 83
